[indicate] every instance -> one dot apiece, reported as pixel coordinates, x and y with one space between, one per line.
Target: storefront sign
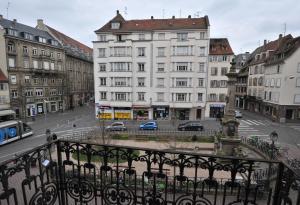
122 115
104 116
216 105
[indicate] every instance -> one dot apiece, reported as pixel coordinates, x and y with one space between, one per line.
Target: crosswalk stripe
258 122
252 122
244 121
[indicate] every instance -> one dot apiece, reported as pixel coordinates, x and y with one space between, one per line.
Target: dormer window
54 43
115 25
28 36
12 32
42 40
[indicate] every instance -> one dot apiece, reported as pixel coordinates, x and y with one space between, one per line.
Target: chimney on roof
173 17
15 20
189 16
1 16
118 12
152 17
265 42
280 36
40 23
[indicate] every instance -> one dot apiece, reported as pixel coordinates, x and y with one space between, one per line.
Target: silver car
238 114
116 126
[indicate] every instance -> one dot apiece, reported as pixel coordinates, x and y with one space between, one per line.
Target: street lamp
273 137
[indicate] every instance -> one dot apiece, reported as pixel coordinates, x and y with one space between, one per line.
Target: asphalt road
83 117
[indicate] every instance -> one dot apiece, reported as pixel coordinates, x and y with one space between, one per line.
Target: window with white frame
181 50
11 62
46 65
11 47
181 82
101 52
182 36
39 91
298 82
102 67
102 81
141 36
103 95
43 52
214 71
278 83
214 83
223 71
120 66
161 36
160 67
202 35
52 67
141 67
120 96
160 82
181 97
297 98
120 81
34 51
160 97
25 50
27 79
182 66
14 93
26 62
141 51
222 97
141 96
201 67
161 51
13 79
102 37
200 97
42 40
3 86
115 25
202 51
35 64
272 82
213 97
141 82
35 81
200 82
120 51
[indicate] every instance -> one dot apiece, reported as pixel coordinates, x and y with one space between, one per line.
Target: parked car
116 126
149 126
190 126
238 114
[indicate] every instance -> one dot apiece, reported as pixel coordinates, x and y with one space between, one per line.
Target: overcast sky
246 23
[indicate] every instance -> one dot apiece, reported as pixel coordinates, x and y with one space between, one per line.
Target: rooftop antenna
8 3
284 29
163 13
125 11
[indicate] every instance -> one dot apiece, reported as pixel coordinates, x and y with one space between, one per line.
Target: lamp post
273 137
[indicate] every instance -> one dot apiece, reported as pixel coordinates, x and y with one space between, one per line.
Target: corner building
152 68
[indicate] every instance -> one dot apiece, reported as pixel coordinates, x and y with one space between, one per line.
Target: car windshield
117 124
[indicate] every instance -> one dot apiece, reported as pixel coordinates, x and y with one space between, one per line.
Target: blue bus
13 130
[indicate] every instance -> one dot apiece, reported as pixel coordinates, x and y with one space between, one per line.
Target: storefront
182 114
40 108
161 112
104 113
123 113
31 110
216 110
53 106
140 113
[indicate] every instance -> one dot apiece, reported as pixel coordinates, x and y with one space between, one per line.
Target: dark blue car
149 126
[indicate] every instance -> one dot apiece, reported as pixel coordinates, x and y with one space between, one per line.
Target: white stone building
151 69
220 56
282 82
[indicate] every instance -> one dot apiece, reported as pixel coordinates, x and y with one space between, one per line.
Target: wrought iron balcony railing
69 172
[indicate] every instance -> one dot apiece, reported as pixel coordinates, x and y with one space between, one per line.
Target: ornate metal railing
69 172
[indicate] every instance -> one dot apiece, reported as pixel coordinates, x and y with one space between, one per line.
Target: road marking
253 122
258 122
244 121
